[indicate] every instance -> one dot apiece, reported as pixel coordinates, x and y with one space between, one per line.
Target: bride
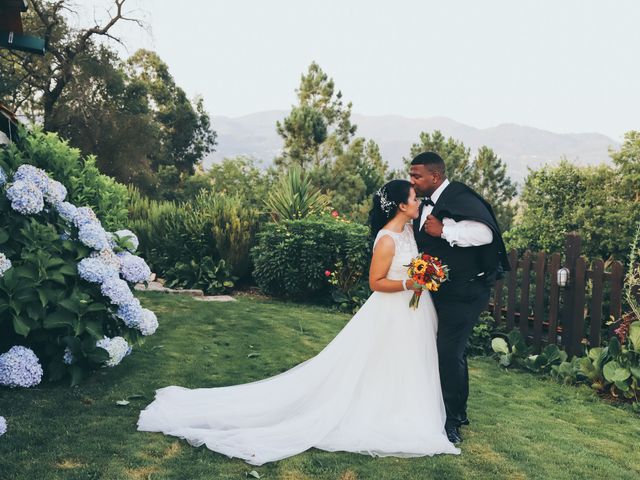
375 389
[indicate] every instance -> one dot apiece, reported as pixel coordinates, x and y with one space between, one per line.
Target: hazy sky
560 65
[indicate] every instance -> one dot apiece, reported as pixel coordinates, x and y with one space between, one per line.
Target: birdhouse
11 34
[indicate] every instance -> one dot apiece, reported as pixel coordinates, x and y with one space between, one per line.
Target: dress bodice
406 250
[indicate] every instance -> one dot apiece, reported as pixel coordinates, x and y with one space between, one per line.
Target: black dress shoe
453 434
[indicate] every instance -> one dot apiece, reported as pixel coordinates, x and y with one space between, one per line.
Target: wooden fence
529 298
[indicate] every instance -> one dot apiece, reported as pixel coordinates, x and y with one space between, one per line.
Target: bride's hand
411 285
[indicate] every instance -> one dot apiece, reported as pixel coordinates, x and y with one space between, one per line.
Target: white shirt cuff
466 233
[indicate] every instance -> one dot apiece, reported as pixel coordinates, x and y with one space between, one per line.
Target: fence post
579 285
572 252
617 284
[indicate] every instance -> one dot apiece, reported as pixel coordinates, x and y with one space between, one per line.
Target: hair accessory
385 204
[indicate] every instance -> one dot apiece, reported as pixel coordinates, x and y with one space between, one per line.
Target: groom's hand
433 226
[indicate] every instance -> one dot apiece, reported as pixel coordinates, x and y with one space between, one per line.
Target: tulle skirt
375 389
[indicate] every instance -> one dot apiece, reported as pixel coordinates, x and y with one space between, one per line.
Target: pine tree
492 182
456 156
319 128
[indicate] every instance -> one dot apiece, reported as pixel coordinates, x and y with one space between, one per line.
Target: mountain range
519 146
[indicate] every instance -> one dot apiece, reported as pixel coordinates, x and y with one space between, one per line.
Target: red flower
335 214
327 273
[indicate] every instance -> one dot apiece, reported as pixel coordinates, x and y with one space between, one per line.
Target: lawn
522 426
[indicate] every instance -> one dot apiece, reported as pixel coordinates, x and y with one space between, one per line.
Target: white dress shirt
465 233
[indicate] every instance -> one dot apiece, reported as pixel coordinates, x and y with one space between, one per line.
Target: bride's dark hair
385 203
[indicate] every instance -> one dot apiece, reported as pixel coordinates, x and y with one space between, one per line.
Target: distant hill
519 146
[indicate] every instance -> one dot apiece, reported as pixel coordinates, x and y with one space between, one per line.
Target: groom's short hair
432 161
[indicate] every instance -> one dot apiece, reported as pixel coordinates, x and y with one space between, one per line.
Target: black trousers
458 311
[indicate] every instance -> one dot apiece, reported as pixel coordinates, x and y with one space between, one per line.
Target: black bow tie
427 201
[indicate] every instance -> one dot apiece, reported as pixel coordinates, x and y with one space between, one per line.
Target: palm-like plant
294 197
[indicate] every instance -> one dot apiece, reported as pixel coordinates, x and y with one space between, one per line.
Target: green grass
523 426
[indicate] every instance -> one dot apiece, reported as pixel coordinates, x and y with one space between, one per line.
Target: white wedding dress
375 389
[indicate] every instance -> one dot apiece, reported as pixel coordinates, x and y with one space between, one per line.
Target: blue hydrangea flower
5 264
95 270
133 268
126 235
19 367
67 357
67 211
117 291
109 257
149 323
84 215
26 198
131 313
29 173
94 236
3 177
117 347
55 192
3 426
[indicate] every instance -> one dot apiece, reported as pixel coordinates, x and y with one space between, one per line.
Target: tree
241 176
456 156
548 200
319 138
627 159
372 168
106 113
319 127
486 173
494 184
304 131
351 180
43 81
132 115
589 200
185 134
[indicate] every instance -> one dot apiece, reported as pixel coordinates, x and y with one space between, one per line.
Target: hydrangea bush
66 302
20 367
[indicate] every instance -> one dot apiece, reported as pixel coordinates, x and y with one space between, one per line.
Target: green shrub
201 244
51 300
292 257
86 186
350 286
613 370
233 225
513 351
480 339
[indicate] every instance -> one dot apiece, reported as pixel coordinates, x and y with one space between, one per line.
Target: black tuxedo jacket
486 262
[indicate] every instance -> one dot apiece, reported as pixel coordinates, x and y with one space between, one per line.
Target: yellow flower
419 266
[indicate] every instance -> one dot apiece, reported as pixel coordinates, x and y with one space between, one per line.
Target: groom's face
424 180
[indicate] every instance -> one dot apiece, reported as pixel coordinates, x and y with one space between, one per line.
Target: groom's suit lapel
443 199
416 222
439 206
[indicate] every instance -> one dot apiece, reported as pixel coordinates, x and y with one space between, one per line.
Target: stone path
197 294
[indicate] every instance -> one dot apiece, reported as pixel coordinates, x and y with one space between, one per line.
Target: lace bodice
406 249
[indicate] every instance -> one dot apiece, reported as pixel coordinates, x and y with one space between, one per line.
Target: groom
458 226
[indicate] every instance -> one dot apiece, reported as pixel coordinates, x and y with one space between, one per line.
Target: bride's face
412 207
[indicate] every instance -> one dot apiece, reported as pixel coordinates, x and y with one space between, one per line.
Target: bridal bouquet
427 272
